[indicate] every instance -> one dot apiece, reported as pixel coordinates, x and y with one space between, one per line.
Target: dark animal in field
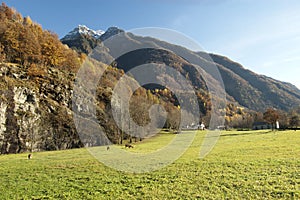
29 156
128 145
107 148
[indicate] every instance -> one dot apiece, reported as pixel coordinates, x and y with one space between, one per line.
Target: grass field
243 165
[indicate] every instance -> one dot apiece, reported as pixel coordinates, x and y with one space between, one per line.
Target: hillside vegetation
256 91
243 87
24 42
37 74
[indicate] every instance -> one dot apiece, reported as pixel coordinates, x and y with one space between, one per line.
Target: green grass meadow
242 165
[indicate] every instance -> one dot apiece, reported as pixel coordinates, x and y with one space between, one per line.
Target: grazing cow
107 148
128 145
29 156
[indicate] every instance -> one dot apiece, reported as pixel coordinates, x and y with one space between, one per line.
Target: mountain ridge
247 88
38 74
116 30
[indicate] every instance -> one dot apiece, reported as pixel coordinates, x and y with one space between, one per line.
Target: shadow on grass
246 133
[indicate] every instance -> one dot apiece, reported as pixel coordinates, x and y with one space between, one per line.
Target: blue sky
264 36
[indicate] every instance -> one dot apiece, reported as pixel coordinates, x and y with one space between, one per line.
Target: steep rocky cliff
35 110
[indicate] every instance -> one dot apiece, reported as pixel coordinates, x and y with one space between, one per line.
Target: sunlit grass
243 165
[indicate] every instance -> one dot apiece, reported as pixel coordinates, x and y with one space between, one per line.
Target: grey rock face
35 113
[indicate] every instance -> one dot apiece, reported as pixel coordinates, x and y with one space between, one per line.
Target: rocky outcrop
35 111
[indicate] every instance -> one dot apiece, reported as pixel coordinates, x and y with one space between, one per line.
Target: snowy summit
83 30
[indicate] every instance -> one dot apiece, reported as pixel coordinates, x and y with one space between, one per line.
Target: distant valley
38 71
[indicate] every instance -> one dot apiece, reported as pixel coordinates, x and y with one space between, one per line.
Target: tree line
244 119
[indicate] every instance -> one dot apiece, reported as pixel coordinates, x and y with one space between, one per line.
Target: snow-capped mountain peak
83 30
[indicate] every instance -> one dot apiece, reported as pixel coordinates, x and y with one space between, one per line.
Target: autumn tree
2 53
173 117
11 43
258 117
271 116
24 42
30 49
283 119
294 121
